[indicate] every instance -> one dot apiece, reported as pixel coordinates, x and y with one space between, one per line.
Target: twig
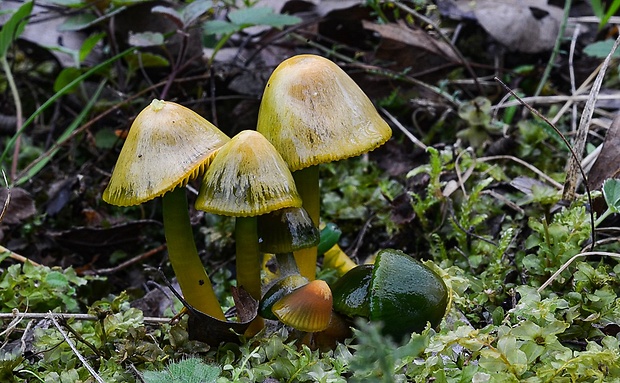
121 266
75 350
574 163
555 99
16 256
406 132
8 196
533 168
568 146
65 316
445 38
556 48
571 73
567 263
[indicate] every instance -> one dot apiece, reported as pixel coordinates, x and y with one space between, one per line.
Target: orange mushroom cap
308 308
313 113
247 178
167 145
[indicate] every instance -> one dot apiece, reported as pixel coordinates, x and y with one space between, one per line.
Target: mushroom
314 113
397 290
247 178
167 145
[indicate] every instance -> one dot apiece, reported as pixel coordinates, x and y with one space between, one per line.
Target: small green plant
604 10
39 288
190 370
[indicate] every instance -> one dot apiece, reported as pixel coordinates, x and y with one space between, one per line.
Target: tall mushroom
247 178
167 145
314 113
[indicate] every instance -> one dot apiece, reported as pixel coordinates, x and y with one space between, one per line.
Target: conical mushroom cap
167 145
246 178
313 113
308 308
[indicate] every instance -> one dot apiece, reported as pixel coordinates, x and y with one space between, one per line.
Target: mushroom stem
183 255
248 255
307 182
287 264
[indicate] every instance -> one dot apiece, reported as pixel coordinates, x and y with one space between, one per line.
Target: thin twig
5 206
16 256
556 48
121 266
75 350
533 168
574 163
65 316
570 149
445 38
567 263
571 73
555 99
406 132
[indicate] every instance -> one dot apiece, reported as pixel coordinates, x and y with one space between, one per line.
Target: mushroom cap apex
247 178
167 145
313 113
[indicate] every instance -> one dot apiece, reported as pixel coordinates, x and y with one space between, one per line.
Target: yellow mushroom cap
308 308
313 113
247 178
167 145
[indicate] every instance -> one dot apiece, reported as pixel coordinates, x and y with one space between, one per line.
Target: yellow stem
307 182
188 268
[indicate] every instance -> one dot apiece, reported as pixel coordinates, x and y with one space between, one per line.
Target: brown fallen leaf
528 26
607 165
412 37
205 328
20 207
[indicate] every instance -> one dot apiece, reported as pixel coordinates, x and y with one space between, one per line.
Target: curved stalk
188 268
307 182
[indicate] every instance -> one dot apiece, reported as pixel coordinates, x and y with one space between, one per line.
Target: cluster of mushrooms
311 112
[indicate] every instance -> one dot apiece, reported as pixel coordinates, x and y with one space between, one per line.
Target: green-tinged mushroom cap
247 178
313 113
167 145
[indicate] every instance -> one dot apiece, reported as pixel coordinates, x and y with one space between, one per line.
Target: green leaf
146 60
78 22
88 45
261 16
220 27
611 193
66 76
600 49
14 27
146 39
170 12
192 370
194 10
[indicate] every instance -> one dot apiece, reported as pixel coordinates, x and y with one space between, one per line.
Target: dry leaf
607 164
413 37
21 205
525 26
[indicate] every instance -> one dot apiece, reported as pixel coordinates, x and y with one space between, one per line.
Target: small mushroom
246 179
397 290
282 232
314 113
307 308
167 145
